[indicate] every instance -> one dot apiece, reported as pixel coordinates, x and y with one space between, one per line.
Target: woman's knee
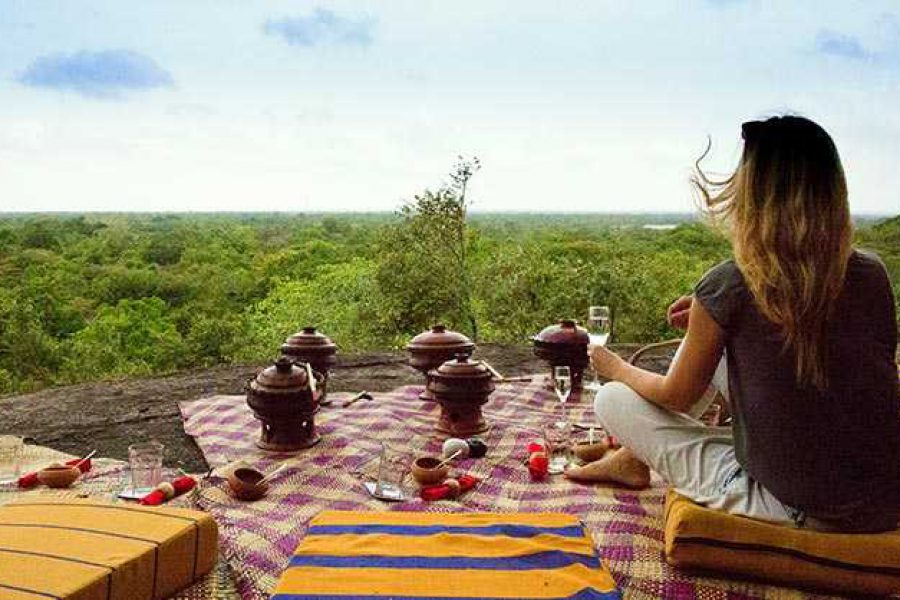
613 399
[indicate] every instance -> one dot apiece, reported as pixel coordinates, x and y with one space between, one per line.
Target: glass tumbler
11 447
558 439
391 468
145 462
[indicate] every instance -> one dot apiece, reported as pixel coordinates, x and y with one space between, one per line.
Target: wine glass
562 384
559 434
599 326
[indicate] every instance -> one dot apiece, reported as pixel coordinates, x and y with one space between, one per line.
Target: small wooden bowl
586 452
244 483
425 470
58 476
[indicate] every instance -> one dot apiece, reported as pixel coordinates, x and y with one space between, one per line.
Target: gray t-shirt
833 454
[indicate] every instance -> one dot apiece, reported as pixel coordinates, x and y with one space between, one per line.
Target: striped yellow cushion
437 555
82 550
849 563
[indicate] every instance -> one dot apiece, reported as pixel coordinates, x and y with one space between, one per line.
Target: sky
576 106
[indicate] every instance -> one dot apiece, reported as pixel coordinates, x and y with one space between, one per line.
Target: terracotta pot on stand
430 349
461 386
313 347
282 400
564 344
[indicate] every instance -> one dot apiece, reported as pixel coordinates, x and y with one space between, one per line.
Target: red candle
538 465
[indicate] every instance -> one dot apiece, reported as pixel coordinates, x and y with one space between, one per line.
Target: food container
244 483
425 470
282 399
461 386
58 476
311 346
430 349
564 344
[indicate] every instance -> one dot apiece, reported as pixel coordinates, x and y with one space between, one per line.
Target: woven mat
103 482
258 537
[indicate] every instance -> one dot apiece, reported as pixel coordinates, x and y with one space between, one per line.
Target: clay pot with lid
564 344
311 346
284 402
461 386
430 349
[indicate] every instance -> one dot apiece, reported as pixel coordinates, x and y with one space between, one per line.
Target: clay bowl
244 483
58 476
425 470
586 452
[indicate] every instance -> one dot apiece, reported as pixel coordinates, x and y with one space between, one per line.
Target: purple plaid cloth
259 537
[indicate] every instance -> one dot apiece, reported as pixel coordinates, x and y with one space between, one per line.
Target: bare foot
620 466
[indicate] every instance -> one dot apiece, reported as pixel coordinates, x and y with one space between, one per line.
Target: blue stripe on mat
585 594
516 531
550 559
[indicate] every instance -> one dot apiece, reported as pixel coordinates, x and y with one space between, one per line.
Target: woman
807 328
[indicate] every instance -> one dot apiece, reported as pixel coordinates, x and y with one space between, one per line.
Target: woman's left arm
689 375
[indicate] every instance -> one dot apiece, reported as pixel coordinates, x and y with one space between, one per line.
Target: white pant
698 461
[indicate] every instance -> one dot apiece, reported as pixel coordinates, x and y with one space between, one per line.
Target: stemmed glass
599 325
559 433
562 384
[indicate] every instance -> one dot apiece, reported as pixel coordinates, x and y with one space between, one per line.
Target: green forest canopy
89 297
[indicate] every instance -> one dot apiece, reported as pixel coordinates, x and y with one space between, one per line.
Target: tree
134 337
424 265
340 299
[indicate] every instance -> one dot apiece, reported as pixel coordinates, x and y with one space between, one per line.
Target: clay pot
244 483
425 470
281 398
430 349
58 476
564 344
461 386
315 348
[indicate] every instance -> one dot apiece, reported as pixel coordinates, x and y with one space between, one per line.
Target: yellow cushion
82 550
700 537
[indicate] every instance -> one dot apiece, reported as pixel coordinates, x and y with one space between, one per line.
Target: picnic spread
296 498
258 539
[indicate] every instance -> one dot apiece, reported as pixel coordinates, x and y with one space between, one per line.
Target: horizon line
676 213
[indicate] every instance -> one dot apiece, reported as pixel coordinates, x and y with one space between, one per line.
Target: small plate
389 493
131 493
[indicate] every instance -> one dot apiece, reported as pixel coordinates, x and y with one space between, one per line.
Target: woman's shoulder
726 273
722 292
866 261
866 271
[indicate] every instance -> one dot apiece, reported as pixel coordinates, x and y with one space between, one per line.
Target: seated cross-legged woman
804 327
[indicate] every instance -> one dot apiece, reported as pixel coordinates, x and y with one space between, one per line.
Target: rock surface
110 415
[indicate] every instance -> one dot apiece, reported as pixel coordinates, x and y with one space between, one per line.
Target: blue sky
581 106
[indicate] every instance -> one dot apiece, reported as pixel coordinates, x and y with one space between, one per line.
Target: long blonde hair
787 212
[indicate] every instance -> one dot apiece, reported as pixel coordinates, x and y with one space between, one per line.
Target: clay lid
566 331
462 367
284 375
309 339
440 338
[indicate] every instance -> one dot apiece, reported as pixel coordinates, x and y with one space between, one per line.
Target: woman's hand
679 313
606 363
